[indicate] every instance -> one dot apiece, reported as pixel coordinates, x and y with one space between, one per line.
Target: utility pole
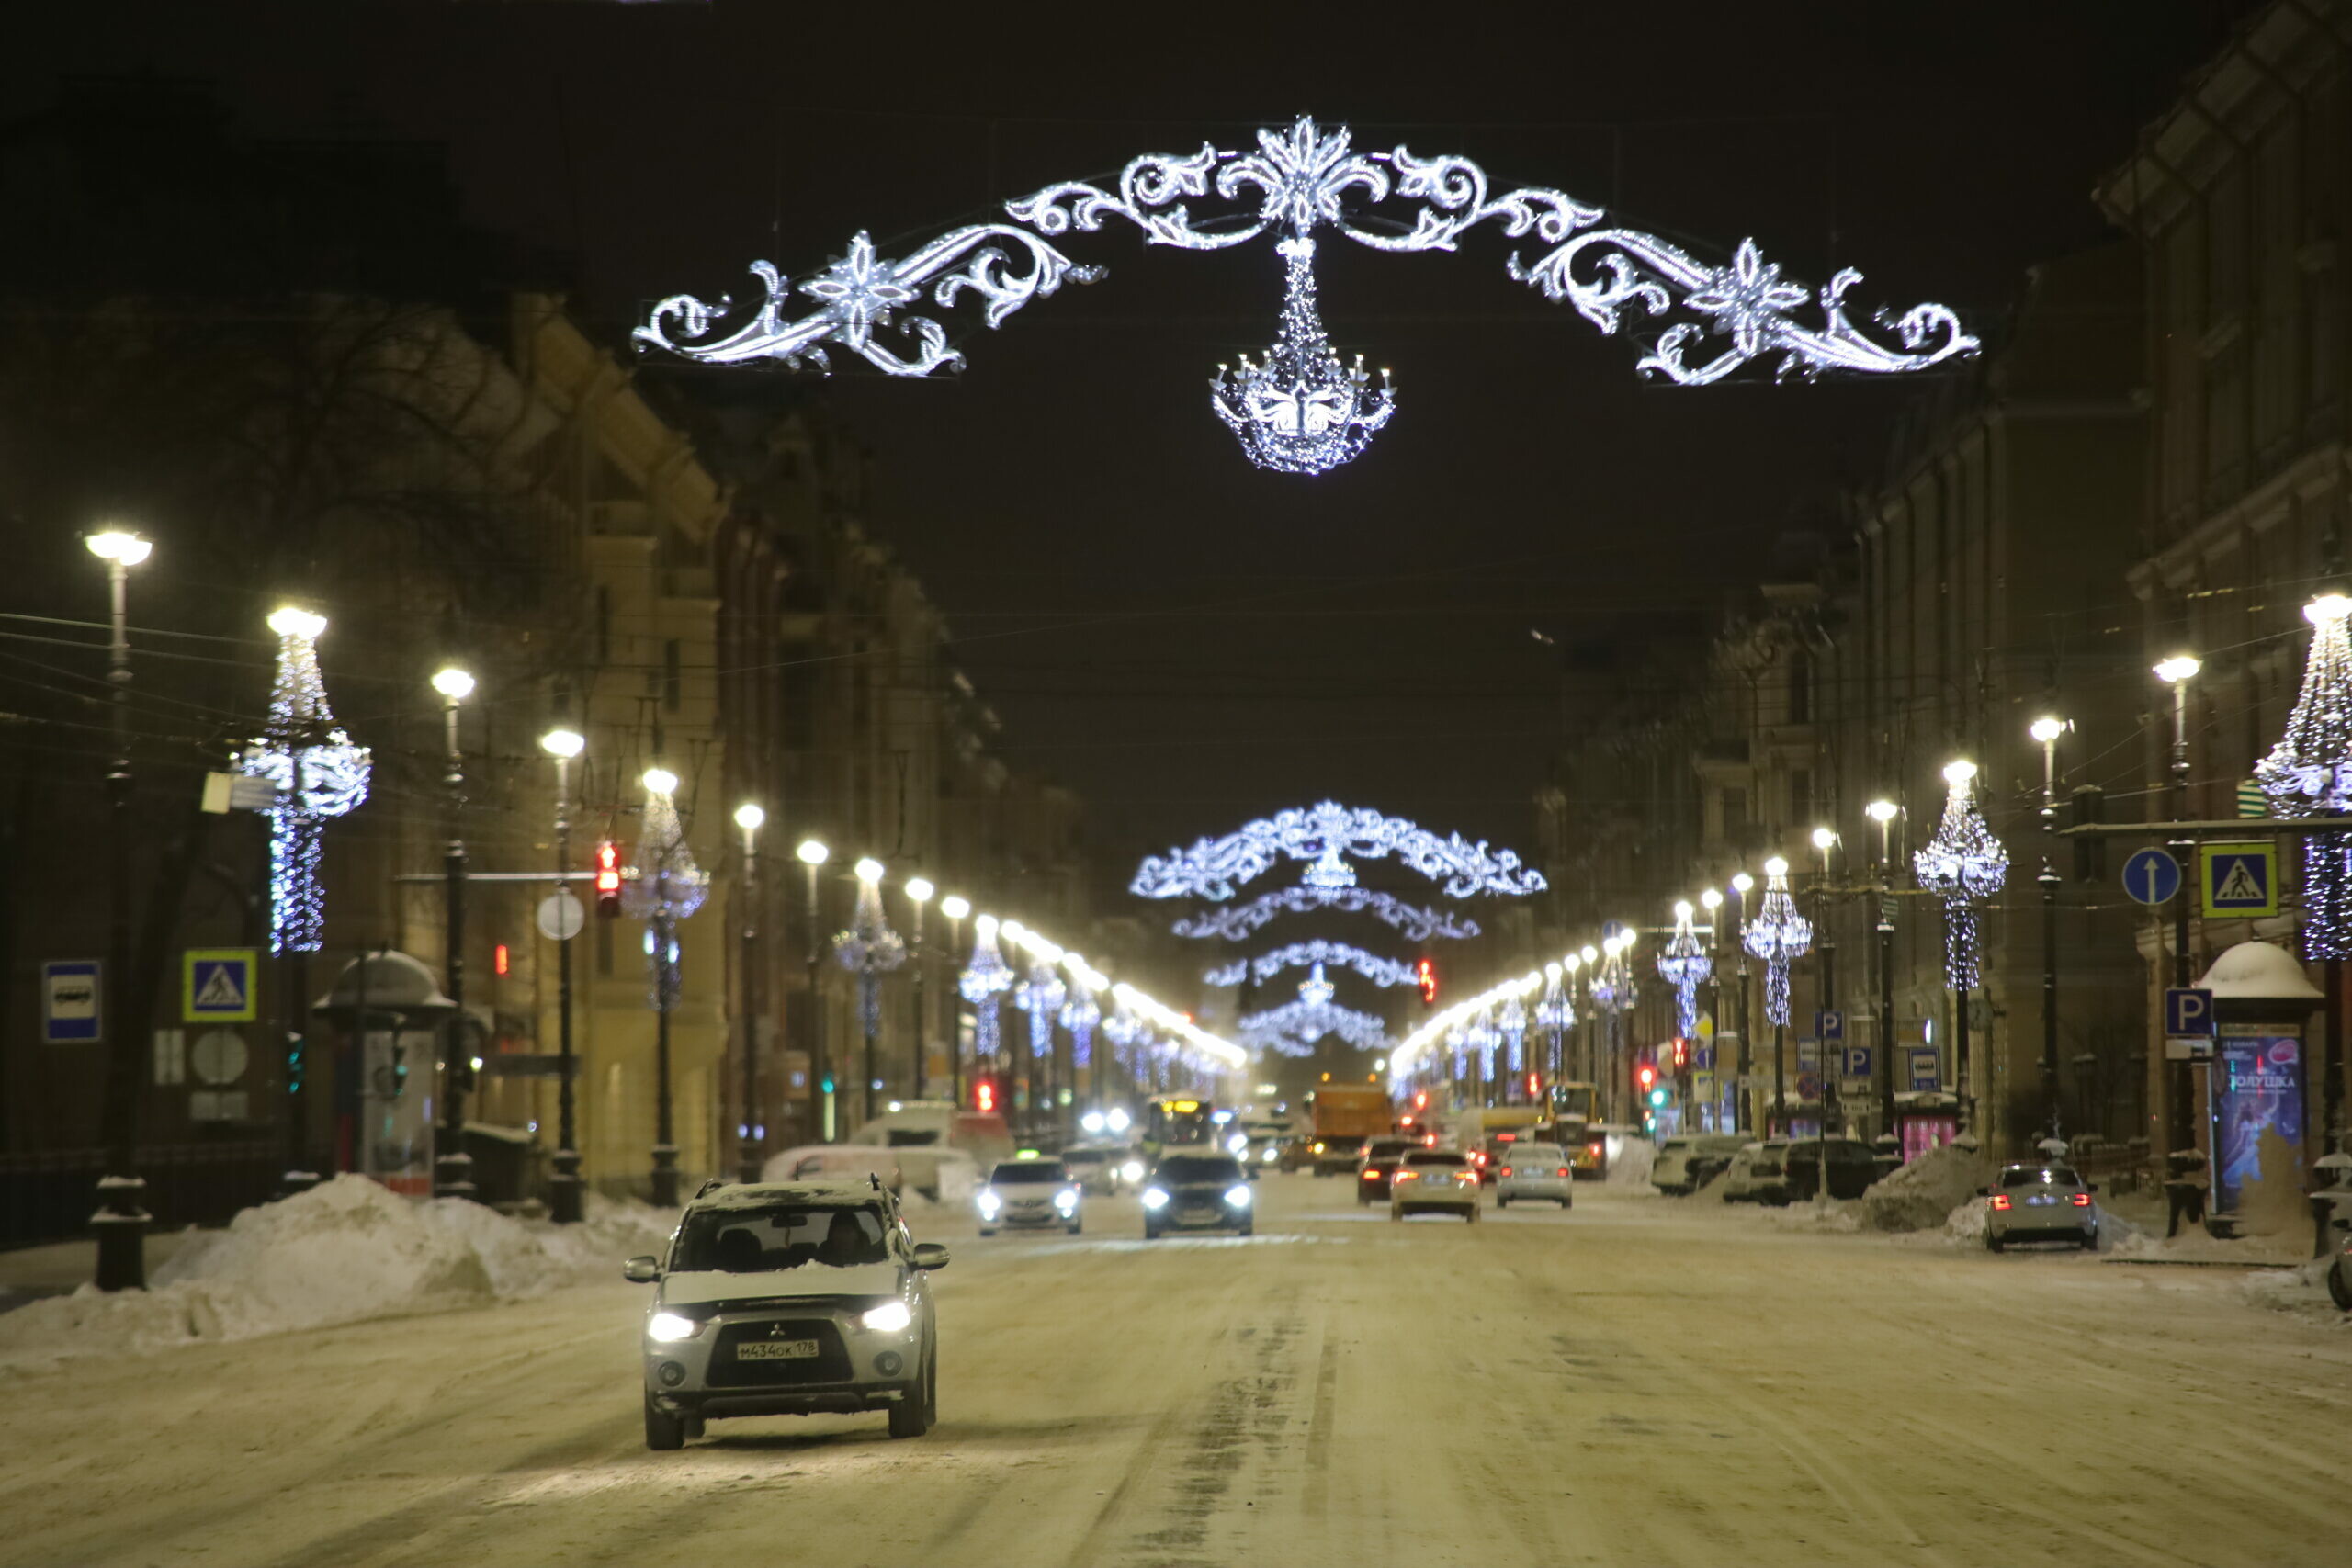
453 1168
919 892
2177 671
1743 1113
121 1218
2047 731
1882 812
955 908
812 856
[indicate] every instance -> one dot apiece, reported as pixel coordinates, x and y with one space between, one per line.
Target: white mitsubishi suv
787 1299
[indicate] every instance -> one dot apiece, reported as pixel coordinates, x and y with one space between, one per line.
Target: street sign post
69 1002
217 985
1857 1060
1927 1069
2151 876
2238 881
560 916
1829 1024
2189 1011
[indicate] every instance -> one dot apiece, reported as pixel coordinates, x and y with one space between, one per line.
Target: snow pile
1828 1216
1923 1194
2302 1291
1964 1226
1631 1163
347 1250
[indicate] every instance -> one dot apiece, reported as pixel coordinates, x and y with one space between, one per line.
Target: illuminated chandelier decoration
1080 1015
1300 412
1122 1028
983 984
1294 1027
1611 985
1556 1013
1324 833
1779 936
2309 773
1239 922
1962 864
1380 971
1481 1037
317 772
1513 1021
1041 996
869 949
1457 1045
1683 964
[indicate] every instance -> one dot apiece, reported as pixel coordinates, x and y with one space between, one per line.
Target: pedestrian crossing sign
2240 880
217 985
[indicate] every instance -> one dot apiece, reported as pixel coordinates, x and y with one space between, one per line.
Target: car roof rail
875 1177
711 1186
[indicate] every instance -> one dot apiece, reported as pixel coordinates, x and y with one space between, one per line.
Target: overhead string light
1683 964
869 949
983 984
1380 971
2309 773
1779 936
317 772
1323 834
1239 922
1963 865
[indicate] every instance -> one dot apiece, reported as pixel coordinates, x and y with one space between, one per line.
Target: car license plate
777 1351
2041 1199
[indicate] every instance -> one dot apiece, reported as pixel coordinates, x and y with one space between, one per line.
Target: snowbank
2302 1291
1923 1194
1830 1216
346 1251
1632 1163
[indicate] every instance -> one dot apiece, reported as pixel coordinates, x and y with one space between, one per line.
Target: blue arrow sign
2151 876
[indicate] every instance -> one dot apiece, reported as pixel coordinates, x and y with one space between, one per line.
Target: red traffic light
609 878
1425 976
983 1095
1646 1077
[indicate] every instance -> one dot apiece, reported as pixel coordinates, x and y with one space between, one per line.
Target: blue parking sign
2188 1012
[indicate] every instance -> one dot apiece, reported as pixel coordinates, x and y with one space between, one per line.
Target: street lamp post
452 1167
563 1189
812 855
1712 900
955 908
1742 1116
749 818
1832 1111
919 892
669 891
1882 812
2177 671
870 949
2047 731
121 1218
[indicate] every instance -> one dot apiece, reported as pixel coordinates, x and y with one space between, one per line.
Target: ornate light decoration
983 984
1266 966
869 949
1683 964
1041 996
2309 773
317 772
1962 864
1241 921
1779 936
1292 184
1081 1013
1556 1013
1294 1027
1512 1022
1323 833
665 888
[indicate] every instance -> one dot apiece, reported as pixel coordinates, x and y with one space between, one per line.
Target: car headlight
1065 1200
1267 1159
669 1327
1132 1170
1154 1197
1237 1143
989 1205
1238 1196
888 1318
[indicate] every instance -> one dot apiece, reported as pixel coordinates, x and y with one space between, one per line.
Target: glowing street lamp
751 1133
919 892
564 1206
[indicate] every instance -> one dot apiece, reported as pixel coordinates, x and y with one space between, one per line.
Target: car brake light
2001 1200
1506 1170
2081 1199
1371 1175
1594 1149
1406 1176
1564 1171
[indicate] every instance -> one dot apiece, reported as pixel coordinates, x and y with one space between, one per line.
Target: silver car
1534 1170
1434 1181
1689 1160
2039 1201
1033 1193
789 1299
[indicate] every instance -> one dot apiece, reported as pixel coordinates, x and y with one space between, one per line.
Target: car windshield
2038 1175
1186 1169
1014 1172
783 1236
1385 1148
1434 1156
1085 1157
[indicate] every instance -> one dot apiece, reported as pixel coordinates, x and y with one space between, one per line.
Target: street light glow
564 743
2178 668
1881 811
1742 883
751 815
2327 607
1683 909
1823 837
811 853
453 683
2047 728
1775 866
1959 773
953 908
919 890
660 781
121 545
292 620
869 870
1712 899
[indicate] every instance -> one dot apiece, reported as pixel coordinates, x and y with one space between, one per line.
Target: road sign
2151 876
2240 880
218 1056
1808 1087
217 985
2252 802
1858 1061
2189 1011
1829 1024
69 1002
562 915
1702 1087
1927 1069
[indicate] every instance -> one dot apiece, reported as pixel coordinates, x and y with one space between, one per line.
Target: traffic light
1646 1077
500 960
1682 1053
1425 977
608 879
983 1093
2090 850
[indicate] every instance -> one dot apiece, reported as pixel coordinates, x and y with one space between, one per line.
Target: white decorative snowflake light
1962 864
317 772
2309 773
1266 966
1779 936
1213 868
1241 921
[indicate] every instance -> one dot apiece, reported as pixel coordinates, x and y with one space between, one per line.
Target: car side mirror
928 1255
642 1270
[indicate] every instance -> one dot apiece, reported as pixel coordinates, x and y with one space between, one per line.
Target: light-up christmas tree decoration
2309 773
1683 964
983 984
1301 410
1963 865
869 949
317 772
1041 996
1779 936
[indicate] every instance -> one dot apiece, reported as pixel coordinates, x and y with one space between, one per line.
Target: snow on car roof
761 1194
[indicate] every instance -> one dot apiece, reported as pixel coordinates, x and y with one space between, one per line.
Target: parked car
1689 1160
2039 1200
836 1162
1535 1170
1434 1181
1852 1168
1381 1158
1753 1169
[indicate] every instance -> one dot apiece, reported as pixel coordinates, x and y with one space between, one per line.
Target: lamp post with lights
1743 1117
1883 812
1824 840
749 818
1712 900
919 891
453 1168
563 1187
1589 1062
955 909
812 856
121 1218
2176 672
2047 731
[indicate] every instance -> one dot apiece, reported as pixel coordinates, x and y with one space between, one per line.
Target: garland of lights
1299 412
1323 833
1266 966
1041 996
1779 936
1962 864
1513 1021
870 949
1080 1016
1240 921
983 984
317 772
2309 773
669 891
1684 964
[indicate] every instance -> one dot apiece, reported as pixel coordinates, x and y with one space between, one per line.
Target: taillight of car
1406 1176
1594 1149
1564 1171
1478 1158
2001 1200
1467 1176
2081 1199
1430 1142
1506 1170
1371 1175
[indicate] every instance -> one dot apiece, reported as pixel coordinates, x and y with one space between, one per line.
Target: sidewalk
28 1273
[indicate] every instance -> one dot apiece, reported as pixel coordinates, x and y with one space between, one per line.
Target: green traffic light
1658 1098
826 1083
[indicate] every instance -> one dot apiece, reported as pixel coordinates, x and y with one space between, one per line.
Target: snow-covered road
1637 1381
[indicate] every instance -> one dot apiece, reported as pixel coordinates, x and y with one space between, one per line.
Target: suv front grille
830 1364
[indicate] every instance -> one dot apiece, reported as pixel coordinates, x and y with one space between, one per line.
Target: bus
1174 1119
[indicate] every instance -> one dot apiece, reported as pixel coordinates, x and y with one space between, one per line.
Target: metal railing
49 1196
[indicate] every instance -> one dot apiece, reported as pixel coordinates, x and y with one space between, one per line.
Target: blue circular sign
2152 876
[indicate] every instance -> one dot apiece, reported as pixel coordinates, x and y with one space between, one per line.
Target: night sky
1186 640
